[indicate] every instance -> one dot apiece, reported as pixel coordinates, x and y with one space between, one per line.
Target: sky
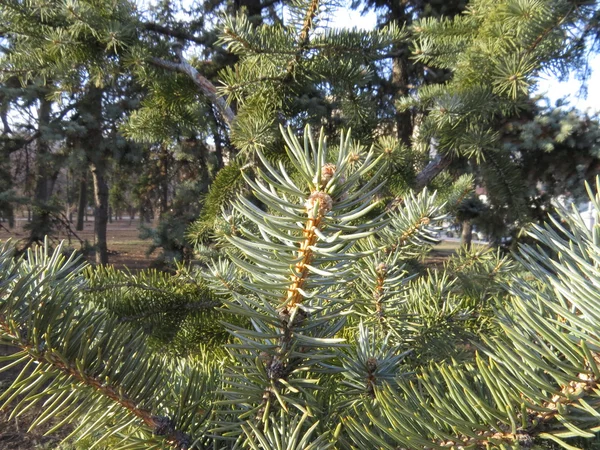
547 85
571 88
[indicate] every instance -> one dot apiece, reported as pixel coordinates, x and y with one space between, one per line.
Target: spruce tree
326 335
334 344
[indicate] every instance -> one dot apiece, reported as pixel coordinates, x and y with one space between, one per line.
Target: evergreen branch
195 306
432 170
311 13
303 38
177 312
548 30
174 33
201 82
86 360
54 361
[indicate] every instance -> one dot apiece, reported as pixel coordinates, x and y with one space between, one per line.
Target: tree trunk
43 183
93 143
163 185
400 81
467 234
82 202
100 212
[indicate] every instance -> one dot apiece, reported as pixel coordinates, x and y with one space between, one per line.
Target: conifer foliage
334 342
309 324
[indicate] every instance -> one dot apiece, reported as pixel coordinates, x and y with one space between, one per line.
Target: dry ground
125 247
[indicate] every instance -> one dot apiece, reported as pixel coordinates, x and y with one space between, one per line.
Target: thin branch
20 143
64 221
432 170
174 33
201 82
4 228
160 425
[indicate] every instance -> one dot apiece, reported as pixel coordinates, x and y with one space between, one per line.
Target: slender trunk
400 81
43 184
100 212
467 234
82 203
163 185
94 145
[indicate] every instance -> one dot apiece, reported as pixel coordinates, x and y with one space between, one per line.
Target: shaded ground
125 247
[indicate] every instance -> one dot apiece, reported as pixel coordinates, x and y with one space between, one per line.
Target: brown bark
94 145
466 236
82 201
432 170
100 211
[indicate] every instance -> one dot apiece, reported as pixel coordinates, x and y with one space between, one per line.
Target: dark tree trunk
163 185
100 212
43 175
82 202
93 143
466 236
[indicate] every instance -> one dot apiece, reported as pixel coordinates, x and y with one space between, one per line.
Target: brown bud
324 201
382 269
327 173
371 364
353 157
